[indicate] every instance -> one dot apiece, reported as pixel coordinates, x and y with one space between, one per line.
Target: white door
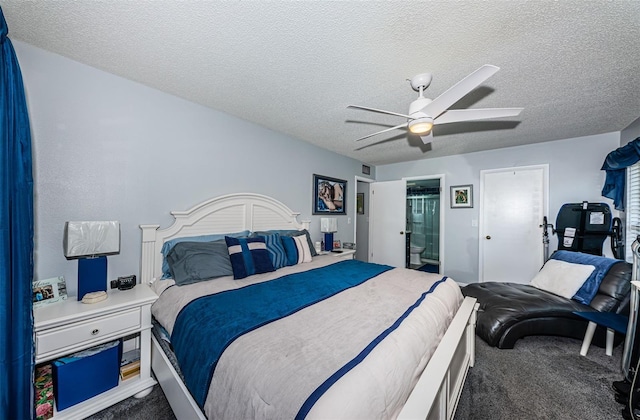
387 223
513 203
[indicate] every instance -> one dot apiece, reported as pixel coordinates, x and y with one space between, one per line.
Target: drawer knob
95 332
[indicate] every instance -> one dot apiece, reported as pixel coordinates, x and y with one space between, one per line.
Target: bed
323 337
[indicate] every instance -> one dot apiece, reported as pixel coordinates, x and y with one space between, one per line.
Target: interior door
387 223
513 203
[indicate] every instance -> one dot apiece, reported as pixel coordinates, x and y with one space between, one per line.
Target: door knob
488 237
401 233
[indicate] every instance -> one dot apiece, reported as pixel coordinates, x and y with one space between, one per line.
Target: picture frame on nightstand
49 291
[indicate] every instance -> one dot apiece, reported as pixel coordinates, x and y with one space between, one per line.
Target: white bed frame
436 393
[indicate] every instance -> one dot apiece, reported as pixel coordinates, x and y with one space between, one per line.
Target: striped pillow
276 250
297 249
248 256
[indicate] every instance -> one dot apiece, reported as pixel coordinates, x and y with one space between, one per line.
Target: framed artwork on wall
329 195
360 203
461 196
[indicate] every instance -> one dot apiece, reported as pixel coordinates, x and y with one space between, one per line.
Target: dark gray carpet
152 407
541 378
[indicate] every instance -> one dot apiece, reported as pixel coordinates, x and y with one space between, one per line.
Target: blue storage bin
85 374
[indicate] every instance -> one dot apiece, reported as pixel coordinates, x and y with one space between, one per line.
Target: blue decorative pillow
276 250
167 246
290 248
297 249
248 256
290 232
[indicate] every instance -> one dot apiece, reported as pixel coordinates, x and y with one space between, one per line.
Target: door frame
545 206
354 200
441 178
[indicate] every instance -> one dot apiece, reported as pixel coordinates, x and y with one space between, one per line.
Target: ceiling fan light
421 125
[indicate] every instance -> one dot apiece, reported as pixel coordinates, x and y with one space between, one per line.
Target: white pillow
562 278
304 252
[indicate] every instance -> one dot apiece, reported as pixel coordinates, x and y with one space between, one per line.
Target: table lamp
90 243
328 225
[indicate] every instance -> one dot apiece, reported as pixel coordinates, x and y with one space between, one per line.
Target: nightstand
70 326
346 254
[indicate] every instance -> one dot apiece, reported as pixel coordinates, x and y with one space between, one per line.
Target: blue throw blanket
590 287
208 325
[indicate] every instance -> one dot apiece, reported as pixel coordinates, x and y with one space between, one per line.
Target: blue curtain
16 244
616 164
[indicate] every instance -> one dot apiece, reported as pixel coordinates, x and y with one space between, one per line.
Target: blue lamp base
328 241
92 275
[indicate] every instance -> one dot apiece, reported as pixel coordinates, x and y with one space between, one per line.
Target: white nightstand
346 254
66 327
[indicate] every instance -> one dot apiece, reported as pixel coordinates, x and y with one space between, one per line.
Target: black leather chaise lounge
509 311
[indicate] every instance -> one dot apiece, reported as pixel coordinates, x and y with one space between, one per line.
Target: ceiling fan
424 113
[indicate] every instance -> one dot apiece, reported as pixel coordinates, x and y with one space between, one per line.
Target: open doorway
424 223
361 226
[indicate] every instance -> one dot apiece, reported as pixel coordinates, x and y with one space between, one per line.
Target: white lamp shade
328 224
82 239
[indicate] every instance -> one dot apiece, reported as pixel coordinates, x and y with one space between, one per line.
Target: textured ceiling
574 65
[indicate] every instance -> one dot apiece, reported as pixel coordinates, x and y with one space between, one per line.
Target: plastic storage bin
85 374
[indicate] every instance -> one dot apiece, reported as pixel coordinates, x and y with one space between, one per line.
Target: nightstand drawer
93 329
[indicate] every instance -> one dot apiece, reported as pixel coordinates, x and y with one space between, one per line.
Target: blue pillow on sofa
248 256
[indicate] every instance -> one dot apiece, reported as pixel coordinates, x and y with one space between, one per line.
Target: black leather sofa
509 311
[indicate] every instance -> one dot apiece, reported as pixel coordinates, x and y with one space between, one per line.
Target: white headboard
224 214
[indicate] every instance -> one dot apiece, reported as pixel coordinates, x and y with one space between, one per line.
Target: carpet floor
541 378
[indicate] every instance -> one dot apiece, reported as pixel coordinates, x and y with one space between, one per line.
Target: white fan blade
459 115
384 131
380 111
460 89
427 137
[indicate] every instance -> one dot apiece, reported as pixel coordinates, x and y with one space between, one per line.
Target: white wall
574 176
106 148
630 133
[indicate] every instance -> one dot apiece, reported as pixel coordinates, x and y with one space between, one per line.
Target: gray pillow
191 262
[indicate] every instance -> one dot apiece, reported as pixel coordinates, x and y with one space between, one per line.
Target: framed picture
360 203
461 196
49 291
329 195
337 244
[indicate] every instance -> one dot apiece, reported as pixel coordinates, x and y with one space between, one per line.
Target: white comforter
269 372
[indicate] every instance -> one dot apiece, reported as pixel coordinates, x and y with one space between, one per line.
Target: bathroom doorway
424 224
